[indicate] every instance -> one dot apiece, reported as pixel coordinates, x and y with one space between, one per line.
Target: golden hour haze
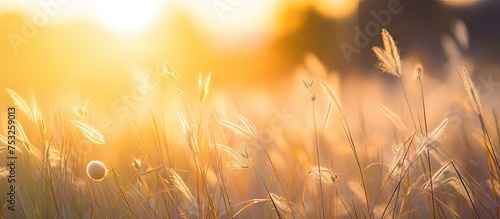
249 109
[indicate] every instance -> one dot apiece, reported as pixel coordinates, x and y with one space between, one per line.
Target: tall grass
209 161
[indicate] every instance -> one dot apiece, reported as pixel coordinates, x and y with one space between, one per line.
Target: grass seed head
327 176
471 90
389 58
96 170
418 71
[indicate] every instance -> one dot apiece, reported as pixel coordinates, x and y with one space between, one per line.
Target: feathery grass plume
395 119
399 163
389 59
29 107
457 185
439 178
418 71
280 202
248 124
21 136
460 31
181 186
55 156
20 102
189 135
309 86
336 106
91 133
357 191
184 125
81 112
203 85
239 159
432 140
328 177
96 170
169 71
471 89
249 131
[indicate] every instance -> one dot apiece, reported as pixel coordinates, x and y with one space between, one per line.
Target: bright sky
130 16
215 16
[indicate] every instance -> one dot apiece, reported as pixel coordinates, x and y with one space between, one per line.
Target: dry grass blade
357 191
20 102
248 132
389 58
494 185
438 132
471 89
333 97
181 186
203 87
21 136
327 116
455 183
92 134
185 128
395 119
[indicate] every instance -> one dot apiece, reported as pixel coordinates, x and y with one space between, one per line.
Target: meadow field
395 141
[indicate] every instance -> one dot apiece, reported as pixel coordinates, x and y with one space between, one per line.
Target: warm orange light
336 8
459 3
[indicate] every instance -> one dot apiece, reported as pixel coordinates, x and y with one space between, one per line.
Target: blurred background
110 57
70 50
51 41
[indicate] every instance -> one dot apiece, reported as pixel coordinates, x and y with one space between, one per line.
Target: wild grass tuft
197 154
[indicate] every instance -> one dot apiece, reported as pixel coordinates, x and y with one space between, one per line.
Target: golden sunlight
128 16
249 109
336 8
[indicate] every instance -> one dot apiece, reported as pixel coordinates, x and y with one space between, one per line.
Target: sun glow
336 8
460 3
127 16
